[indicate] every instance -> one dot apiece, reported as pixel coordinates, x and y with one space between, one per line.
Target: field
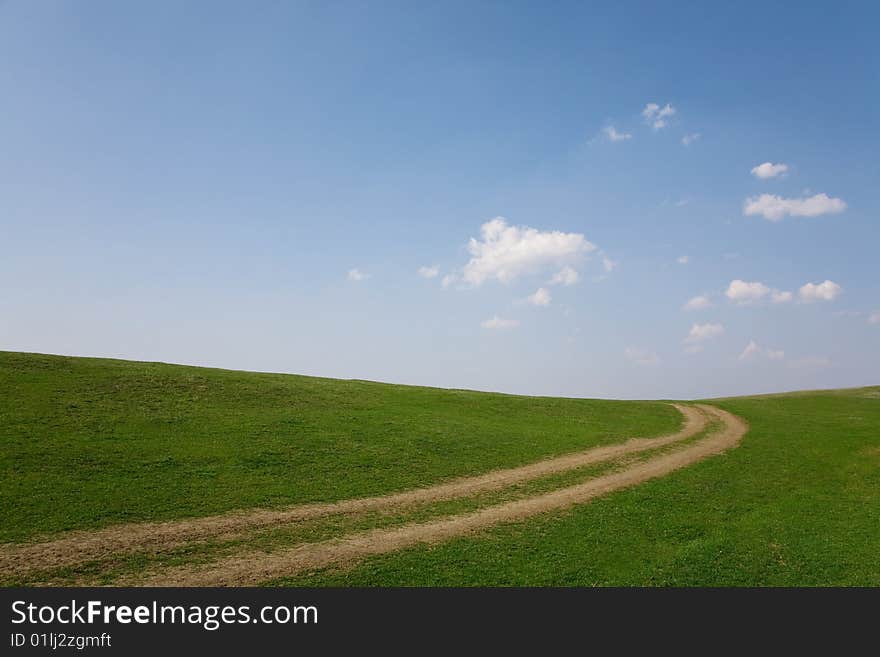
145 473
797 504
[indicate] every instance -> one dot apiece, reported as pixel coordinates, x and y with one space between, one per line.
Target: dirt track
83 546
255 567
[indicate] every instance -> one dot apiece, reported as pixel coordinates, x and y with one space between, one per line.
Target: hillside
797 504
120 472
86 442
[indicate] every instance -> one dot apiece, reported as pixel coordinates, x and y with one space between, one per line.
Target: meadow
96 445
797 504
85 442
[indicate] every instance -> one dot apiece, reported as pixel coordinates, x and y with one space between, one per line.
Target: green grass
86 443
797 504
106 571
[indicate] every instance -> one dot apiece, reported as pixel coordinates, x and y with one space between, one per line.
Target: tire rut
252 568
83 546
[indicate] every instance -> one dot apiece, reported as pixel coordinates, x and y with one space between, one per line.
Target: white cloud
687 140
640 356
700 332
683 260
506 252
608 264
565 276
682 202
650 110
775 208
746 292
698 303
429 272
539 298
497 323
611 133
778 296
448 280
874 318
769 170
826 291
752 351
656 116
357 275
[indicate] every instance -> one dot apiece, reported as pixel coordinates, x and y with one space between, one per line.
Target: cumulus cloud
540 298
565 276
825 291
698 303
357 275
752 351
498 323
874 318
608 264
505 252
775 208
741 291
612 134
701 332
683 260
746 292
429 272
778 296
640 356
769 170
657 116
687 140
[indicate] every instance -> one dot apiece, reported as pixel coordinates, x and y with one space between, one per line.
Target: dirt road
84 546
253 567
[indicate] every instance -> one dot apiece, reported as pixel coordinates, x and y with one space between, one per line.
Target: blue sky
257 185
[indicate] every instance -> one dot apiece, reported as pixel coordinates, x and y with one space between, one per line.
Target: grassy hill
797 504
88 442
